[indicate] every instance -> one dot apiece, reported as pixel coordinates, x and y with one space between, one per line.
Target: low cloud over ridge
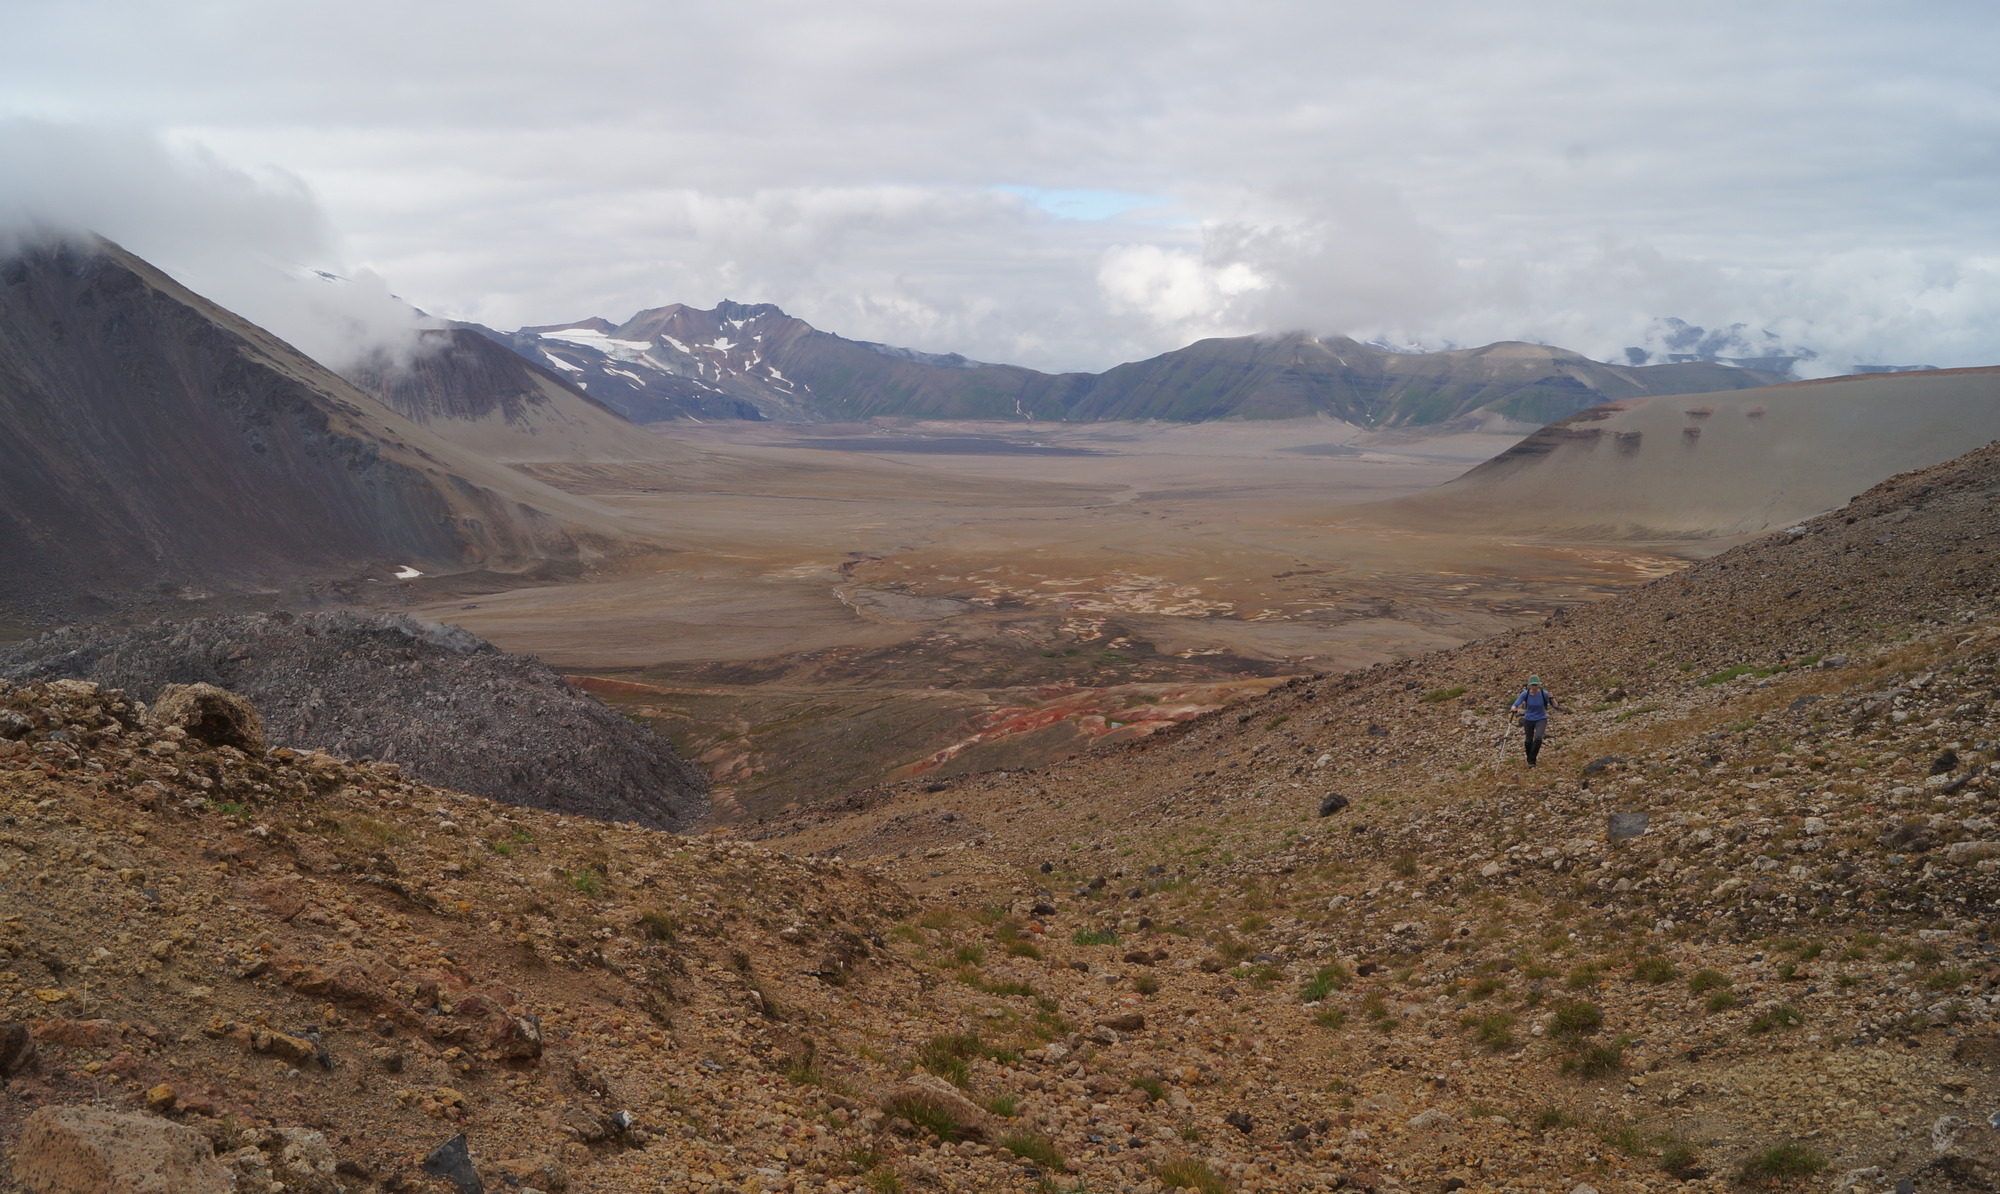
257 243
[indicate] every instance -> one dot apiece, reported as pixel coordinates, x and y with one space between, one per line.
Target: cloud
246 240
954 177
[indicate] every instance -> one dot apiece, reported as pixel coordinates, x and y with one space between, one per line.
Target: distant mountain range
756 362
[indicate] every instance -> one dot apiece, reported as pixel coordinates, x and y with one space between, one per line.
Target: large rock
924 1096
211 715
87 1150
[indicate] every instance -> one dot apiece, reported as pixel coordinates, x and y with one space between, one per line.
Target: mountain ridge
740 360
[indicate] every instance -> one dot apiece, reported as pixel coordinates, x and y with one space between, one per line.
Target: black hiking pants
1533 733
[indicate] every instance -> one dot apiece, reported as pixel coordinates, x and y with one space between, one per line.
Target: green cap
1535 680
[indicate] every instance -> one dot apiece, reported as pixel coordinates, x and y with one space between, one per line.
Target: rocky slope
1737 930
155 442
740 361
452 709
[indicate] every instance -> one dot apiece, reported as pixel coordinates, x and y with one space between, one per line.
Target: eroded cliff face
149 438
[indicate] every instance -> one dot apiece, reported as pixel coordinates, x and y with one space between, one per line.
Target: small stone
1332 803
1490 870
161 1098
295 1049
452 1161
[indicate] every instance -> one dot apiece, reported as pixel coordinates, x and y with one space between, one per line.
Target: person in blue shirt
1533 705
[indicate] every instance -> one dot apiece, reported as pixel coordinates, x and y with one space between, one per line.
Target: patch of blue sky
1077 204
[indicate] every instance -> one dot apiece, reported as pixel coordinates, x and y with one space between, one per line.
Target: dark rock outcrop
448 707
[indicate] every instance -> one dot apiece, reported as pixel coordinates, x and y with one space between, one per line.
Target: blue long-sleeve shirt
1534 706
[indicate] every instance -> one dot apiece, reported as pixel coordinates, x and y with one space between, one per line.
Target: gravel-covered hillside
449 707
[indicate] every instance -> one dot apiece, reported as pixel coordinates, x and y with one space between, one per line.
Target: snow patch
559 363
407 573
592 338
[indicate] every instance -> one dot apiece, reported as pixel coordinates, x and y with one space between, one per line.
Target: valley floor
969 596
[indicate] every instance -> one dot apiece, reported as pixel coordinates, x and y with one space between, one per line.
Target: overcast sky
1063 184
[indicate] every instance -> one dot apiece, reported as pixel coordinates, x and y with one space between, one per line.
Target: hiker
1533 705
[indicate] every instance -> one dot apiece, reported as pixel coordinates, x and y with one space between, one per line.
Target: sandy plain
839 604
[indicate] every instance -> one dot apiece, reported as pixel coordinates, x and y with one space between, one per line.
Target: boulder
1332 804
88 1150
1972 851
210 715
1621 825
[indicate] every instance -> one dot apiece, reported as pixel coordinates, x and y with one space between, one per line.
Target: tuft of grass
1721 1001
1186 1173
1094 937
659 925
1577 1018
1950 978
1146 984
1152 1088
1494 1030
1037 1150
1584 976
1654 970
1704 981
1324 982
968 955
946 1056
1024 949
1598 1060
1405 864
1331 1017
1486 986
1782 1016
1550 1119
1782 1161
1680 1160
1005 1106
585 882
1439 695
804 1071
1627 1139
932 1115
